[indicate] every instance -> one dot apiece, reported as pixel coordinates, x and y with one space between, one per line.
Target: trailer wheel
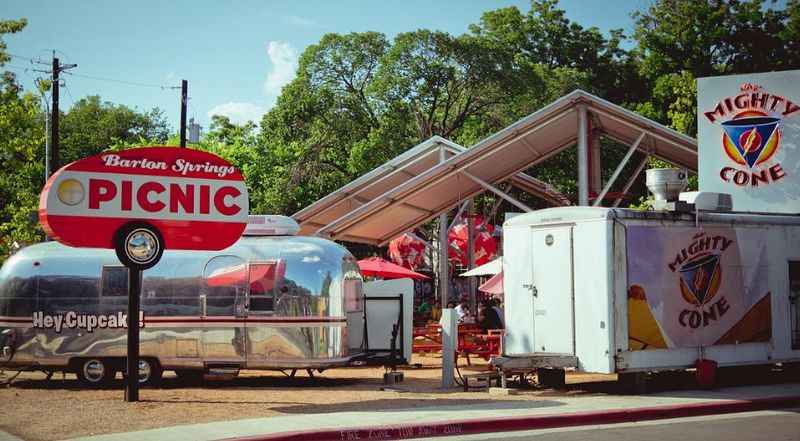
149 372
95 372
138 245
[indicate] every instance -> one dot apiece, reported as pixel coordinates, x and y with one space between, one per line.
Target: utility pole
184 101
56 69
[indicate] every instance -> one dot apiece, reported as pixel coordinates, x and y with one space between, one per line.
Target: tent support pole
632 179
583 157
618 170
444 282
497 191
473 286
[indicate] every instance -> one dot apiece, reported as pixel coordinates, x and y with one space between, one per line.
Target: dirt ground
34 408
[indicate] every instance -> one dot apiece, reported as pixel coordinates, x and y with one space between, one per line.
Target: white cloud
299 21
239 113
283 58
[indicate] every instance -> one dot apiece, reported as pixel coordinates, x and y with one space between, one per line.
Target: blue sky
236 55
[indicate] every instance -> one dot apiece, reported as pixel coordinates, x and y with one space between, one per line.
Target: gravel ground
34 408
38 409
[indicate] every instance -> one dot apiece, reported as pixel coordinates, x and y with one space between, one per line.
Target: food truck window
263 278
114 281
225 283
794 302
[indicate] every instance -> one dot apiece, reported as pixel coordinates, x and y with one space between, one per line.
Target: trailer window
264 276
114 281
794 302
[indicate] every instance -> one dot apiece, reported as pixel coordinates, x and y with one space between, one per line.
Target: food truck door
224 311
551 290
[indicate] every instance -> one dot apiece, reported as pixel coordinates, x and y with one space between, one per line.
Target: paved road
781 425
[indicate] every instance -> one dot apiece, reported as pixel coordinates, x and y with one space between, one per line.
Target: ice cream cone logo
751 141
700 279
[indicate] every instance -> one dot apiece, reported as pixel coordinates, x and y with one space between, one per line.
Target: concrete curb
508 424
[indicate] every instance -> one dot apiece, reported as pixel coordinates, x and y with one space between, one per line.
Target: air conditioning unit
708 201
270 225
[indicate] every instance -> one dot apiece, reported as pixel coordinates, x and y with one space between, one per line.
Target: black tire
95 372
144 231
153 369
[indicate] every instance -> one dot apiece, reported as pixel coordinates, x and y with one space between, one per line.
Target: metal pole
134 291
473 286
583 157
444 272
449 323
184 100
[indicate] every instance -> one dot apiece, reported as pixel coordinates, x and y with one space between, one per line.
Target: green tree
21 155
92 126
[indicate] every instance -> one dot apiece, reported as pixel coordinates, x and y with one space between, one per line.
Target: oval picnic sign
194 199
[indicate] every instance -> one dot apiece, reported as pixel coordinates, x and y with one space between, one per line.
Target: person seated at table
489 319
463 311
496 306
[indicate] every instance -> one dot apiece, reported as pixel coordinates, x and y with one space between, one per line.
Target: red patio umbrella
407 250
485 243
377 267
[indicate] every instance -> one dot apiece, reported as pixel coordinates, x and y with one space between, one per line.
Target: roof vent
666 185
270 225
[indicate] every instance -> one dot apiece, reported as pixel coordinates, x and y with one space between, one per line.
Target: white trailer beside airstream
623 291
273 300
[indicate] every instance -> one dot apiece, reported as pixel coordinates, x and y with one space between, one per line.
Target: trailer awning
390 175
405 200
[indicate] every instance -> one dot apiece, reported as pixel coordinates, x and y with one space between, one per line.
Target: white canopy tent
406 200
487 269
390 175
434 177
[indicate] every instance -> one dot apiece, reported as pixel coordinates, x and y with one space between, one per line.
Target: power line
32 60
129 83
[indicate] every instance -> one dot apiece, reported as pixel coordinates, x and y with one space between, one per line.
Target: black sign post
139 246
134 295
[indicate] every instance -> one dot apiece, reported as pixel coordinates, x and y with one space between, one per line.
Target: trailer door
552 292
223 311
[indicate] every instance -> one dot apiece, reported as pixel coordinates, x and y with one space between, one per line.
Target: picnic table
472 341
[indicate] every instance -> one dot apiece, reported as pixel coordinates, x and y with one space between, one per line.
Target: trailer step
223 370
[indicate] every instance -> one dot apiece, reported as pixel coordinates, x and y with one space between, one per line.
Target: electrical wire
97 78
129 83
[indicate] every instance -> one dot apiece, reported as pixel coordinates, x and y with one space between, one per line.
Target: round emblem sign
142 201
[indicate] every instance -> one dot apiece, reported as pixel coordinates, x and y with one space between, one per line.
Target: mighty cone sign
144 200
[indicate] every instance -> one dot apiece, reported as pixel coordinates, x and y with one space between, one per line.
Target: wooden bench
487 377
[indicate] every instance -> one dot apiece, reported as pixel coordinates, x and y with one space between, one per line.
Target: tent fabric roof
412 200
409 164
489 268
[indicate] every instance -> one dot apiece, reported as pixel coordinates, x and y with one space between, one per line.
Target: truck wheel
95 372
138 245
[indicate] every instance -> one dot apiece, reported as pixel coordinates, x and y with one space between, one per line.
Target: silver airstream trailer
273 300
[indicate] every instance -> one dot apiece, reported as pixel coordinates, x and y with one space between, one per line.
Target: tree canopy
360 99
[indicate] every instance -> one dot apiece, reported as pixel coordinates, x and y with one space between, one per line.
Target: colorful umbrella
485 243
377 267
494 285
407 251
